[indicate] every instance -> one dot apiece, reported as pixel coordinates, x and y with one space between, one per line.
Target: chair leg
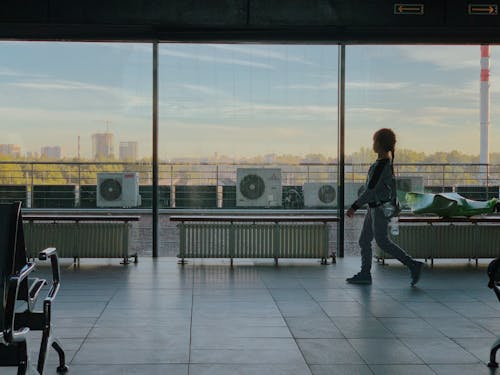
493 363
23 364
42 356
62 357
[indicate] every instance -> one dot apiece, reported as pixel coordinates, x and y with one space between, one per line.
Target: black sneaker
416 271
360 278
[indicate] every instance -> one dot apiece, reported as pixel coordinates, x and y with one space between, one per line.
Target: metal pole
155 151
341 148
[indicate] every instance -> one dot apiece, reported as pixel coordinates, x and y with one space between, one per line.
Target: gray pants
375 226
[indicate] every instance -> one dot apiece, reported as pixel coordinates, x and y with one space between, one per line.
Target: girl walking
379 189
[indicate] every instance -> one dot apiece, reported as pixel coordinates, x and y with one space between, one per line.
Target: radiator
226 240
468 241
79 240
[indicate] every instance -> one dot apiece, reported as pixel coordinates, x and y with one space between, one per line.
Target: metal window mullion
155 221
341 147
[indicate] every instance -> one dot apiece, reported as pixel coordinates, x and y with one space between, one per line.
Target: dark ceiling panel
274 13
473 13
150 12
24 11
391 13
320 21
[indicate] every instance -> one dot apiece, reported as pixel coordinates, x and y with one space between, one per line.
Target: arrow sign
483 9
417 9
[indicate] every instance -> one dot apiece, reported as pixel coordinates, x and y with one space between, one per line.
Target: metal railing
70 184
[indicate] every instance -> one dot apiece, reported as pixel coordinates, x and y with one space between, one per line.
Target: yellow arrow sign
483 9
409 9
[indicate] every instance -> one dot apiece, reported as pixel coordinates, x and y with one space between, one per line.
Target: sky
242 100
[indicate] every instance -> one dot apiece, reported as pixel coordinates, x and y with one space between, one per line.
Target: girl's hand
350 212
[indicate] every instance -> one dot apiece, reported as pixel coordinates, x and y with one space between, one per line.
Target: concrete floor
299 318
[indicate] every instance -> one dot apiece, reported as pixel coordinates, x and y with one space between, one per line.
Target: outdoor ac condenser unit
258 187
118 190
320 194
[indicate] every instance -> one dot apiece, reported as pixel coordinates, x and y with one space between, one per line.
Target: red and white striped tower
485 104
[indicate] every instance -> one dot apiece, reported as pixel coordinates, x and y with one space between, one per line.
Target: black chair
20 293
494 283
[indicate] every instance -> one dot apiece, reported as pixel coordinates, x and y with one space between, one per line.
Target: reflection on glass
76 100
257 107
429 95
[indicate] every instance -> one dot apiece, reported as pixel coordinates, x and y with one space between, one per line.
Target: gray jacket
378 186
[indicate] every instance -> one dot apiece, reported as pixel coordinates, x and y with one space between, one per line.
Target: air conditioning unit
320 194
118 189
258 187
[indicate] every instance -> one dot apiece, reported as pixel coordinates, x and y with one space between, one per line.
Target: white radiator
226 240
469 241
79 240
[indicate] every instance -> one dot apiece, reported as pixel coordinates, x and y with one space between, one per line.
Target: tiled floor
158 317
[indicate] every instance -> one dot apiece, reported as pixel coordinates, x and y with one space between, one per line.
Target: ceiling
283 21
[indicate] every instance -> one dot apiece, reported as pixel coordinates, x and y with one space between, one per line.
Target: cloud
373 111
201 89
60 85
8 72
444 57
125 96
320 86
372 85
266 52
165 51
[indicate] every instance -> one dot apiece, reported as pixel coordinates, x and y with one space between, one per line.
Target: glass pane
264 116
72 112
430 96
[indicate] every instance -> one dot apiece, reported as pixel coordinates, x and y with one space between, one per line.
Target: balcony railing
213 185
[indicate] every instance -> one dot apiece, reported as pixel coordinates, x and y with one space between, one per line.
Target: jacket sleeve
378 186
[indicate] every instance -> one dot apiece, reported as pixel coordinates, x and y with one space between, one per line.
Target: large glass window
250 115
430 96
66 107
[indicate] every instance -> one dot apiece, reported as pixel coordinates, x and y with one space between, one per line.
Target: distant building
10 150
128 151
51 152
102 145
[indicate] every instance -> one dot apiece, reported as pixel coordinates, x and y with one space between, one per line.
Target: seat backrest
494 276
9 259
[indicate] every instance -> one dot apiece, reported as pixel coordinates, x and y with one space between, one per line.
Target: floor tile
384 351
341 370
362 327
410 327
479 347
328 351
296 319
473 369
439 350
320 327
402 369
458 327
216 369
